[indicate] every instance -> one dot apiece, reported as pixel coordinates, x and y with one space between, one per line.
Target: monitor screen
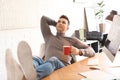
91 19
112 42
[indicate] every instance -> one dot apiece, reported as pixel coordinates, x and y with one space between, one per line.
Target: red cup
66 50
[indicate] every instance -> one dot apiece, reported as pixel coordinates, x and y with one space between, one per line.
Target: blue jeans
44 68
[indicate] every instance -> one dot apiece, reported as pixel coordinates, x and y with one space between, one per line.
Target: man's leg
47 67
14 71
37 61
55 62
25 59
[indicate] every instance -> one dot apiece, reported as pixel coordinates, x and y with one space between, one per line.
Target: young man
30 68
54 43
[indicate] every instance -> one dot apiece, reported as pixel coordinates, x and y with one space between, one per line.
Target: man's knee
54 59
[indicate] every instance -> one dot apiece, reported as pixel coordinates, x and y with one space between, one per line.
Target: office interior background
20 20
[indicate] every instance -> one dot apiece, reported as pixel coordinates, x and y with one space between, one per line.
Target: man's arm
79 48
45 29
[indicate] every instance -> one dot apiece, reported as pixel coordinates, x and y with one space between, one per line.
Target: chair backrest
42 50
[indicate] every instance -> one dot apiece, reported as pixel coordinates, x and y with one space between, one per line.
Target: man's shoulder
72 39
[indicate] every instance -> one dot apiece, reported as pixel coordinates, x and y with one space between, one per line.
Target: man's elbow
93 54
43 18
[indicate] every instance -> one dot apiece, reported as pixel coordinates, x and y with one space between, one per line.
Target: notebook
97 75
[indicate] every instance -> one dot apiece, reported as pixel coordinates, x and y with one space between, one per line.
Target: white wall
26 13
112 5
18 14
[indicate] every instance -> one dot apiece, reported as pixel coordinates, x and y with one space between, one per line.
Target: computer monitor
90 19
112 42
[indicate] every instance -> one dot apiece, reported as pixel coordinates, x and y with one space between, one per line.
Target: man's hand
75 51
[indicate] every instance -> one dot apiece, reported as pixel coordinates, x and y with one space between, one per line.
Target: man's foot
25 59
14 71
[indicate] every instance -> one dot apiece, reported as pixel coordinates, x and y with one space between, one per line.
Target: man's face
62 25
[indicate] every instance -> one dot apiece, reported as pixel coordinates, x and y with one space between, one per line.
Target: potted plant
99 13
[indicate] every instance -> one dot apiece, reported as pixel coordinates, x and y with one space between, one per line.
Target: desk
70 72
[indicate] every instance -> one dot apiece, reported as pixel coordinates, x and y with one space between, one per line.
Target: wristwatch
81 52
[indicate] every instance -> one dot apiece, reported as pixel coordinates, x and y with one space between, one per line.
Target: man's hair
65 17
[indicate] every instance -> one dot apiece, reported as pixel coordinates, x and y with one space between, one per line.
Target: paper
97 75
114 71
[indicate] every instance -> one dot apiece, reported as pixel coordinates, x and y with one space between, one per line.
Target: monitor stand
116 62
114 67
108 53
